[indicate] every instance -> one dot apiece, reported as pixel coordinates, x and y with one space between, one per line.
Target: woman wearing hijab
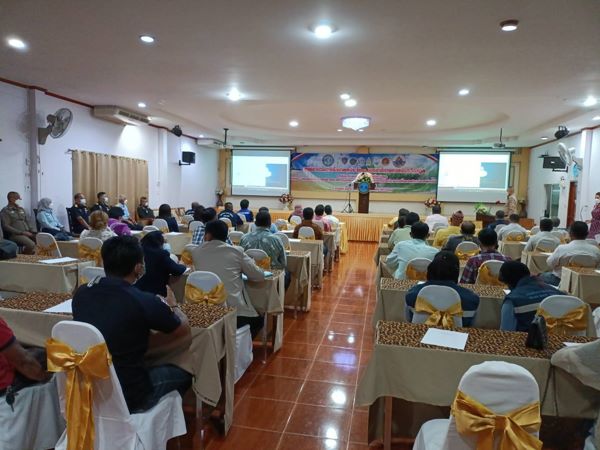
159 265
49 222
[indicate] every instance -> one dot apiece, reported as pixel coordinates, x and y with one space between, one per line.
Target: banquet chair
207 281
187 218
89 274
581 261
500 387
440 299
235 237
193 225
285 240
534 230
161 225
150 229
252 227
554 309
260 257
46 245
186 255
243 217
90 247
320 224
114 426
546 245
489 273
306 233
561 235
466 249
596 319
227 221
515 236
436 227
281 224
174 257
416 269
499 227
295 220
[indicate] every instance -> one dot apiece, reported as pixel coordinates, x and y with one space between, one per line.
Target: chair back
546 245
186 255
438 226
235 237
296 220
515 236
582 261
70 218
161 224
499 386
285 240
534 230
203 280
252 227
466 249
187 218
320 224
193 225
499 227
260 257
441 298
555 309
150 229
90 273
90 247
592 242
489 273
306 233
174 257
227 221
243 217
46 245
561 235
281 224
416 269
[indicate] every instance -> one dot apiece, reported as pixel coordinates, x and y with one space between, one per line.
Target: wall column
33 169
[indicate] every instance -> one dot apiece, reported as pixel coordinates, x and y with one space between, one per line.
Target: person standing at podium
512 205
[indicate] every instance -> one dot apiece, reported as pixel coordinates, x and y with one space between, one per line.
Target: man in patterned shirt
207 215
488 241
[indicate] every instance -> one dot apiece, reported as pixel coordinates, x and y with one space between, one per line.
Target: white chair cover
36 423
47 240
174 257
467 247
285 240
559 305
546 245
438 226
187 218
581 261
90 273
534 230
514 236
418 264
161 224
281 224
256 254
306 233
560 234
193 225
227 221
150 229
243 217
499 227
501 387
493 266
115 427
251 227
441 298
91 242
296 220
235 237
203 280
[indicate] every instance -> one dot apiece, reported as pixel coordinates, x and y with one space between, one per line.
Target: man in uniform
512 204
16 224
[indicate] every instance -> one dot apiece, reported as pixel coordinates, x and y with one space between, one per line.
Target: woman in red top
595 222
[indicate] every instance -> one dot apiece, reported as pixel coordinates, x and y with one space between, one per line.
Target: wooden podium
364 188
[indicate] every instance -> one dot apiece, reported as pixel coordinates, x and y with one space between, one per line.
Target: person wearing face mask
49 222
80 216
102 204
16 225
595 222
144 214
133 322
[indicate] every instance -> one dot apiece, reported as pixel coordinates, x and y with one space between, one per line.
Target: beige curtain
96 172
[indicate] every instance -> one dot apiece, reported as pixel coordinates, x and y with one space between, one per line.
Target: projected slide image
278 175
493 175
260 172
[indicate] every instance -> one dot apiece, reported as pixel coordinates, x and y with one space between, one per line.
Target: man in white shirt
544 233
229 263
436 217
334 221
511 227
404 251
578 246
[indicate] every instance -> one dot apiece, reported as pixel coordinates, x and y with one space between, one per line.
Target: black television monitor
554 162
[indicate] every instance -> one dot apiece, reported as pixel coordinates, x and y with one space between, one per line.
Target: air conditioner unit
121 116
209 142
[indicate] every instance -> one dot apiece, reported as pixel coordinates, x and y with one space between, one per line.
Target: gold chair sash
473 418
436 317
281 226
215 296
485 276
307 238
515 238
464 256
414 274
86 252
574 320
80 369
264 263
48 250
164 230
186 258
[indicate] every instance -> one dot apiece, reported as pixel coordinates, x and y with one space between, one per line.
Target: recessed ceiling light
464 92
323 31
596 118
345 96
147 39
16 43
431 122
361 131
590 101
141 105
544 138
294 123
340 130
350 103
509 25
234 95
356 123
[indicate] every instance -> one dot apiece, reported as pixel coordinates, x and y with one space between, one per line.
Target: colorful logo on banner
393 172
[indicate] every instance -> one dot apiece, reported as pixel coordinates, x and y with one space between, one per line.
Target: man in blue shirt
500 220
443 271
404 251
245 211
132 322
229 213
526 293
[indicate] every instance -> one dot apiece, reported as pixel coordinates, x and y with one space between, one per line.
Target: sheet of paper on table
545 253
173 233
58 260
572 344
64 307
445 338
506 291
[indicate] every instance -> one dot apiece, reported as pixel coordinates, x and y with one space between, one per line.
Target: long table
536 261
407 383
512 249
299 293
317 260
582 282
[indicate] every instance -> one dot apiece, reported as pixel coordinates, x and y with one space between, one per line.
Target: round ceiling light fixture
234 95
340 130
294 123
596 118
350 103
464 92
201 136
590 101
141 105
147 39
509 25
431 123
356 123
544 138
345 96
323 31
16 43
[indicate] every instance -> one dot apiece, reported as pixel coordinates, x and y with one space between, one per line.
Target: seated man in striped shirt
488 241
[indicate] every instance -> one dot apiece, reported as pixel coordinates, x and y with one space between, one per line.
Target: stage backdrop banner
393 172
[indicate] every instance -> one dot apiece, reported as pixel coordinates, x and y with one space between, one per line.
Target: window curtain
97 172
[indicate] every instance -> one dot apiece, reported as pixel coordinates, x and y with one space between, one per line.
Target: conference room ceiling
403 61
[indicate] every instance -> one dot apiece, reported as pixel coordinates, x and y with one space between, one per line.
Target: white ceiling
404 62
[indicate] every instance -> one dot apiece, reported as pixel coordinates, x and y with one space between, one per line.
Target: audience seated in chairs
563 253
229 213
16 224
192 210
488 241
297 212
79 219
98 227
145 215
115 222
402 232
404 251
308 215
436 217
164 212
49 223
512 227
442 235
125 316
159 265
333 221
8 249
402 212
544 233
526 293
320 218
444 271
245 211
273 228
102 203
500 220
229 263
204 216
467 234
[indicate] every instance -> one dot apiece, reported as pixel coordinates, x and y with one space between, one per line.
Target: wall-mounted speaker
187 158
